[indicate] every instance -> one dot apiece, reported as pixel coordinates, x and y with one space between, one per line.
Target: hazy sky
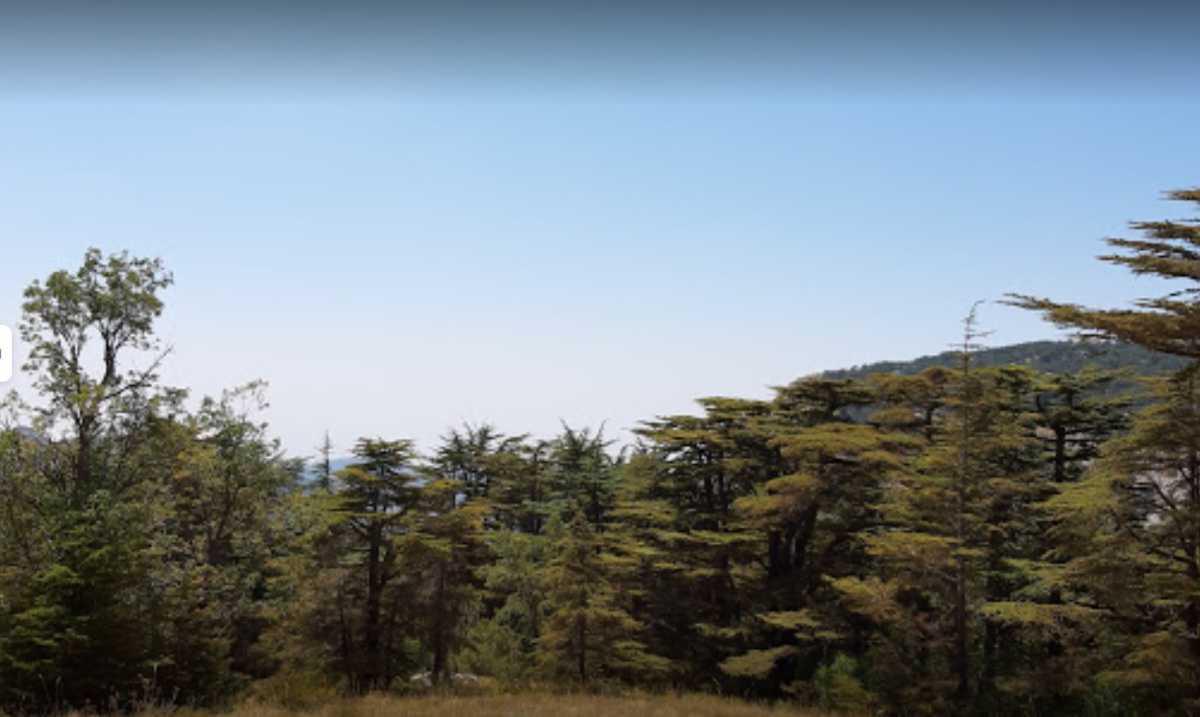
407 219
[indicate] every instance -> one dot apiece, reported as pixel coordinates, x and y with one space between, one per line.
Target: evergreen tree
521 494
1130 532
1171 323
325 464
813 517
1140 501
465 456
449 550
1076 415
379 500
587 635
582 474
504 642
700 466
956 523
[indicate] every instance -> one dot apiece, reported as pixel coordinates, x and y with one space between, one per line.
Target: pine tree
813 518
582 474
1140 503
700 466
1076 415
1131 532
503 643
325 464
587 635
642 554
521 494
448 548
465 455
1171 323
955 523
378 501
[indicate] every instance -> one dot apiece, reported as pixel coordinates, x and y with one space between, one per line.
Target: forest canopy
976 533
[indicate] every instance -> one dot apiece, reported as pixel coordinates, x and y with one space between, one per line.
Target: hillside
1048 356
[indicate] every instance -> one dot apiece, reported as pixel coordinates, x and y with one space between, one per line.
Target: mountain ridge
1064 356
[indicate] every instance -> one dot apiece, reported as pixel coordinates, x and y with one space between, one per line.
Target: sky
405 218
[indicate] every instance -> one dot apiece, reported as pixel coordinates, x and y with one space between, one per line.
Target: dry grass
530 705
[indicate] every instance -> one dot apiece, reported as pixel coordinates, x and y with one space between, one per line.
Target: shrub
838 688
294 690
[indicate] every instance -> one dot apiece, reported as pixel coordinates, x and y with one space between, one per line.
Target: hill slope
1048 356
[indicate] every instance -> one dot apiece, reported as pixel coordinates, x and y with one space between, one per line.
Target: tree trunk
373 658
962 658
582 632
438 636
1060 454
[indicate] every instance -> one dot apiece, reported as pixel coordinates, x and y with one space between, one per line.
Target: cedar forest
966 540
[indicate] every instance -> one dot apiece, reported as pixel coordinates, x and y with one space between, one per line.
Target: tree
1131 530
325 464
700 466
378 501
582 474
503 643
114 299
79 561
141 555
1171 323
587 635
1076 416
521 496
466 457
225 494
1143 499
956 522
449 549
813 517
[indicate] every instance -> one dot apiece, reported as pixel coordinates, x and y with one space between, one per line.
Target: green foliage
294 690
587 635
1059 358
995 532
839 689
757 663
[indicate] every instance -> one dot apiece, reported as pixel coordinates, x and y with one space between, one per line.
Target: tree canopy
964 535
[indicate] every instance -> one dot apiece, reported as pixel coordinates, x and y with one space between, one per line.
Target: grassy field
527 706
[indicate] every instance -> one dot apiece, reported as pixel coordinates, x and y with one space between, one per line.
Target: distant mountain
1048 356
336 464
31 435
312 467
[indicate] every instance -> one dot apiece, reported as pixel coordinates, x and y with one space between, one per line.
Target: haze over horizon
407 221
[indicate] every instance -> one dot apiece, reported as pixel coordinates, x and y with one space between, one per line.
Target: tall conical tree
325 464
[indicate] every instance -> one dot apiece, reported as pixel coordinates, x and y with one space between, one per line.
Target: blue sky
395 259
